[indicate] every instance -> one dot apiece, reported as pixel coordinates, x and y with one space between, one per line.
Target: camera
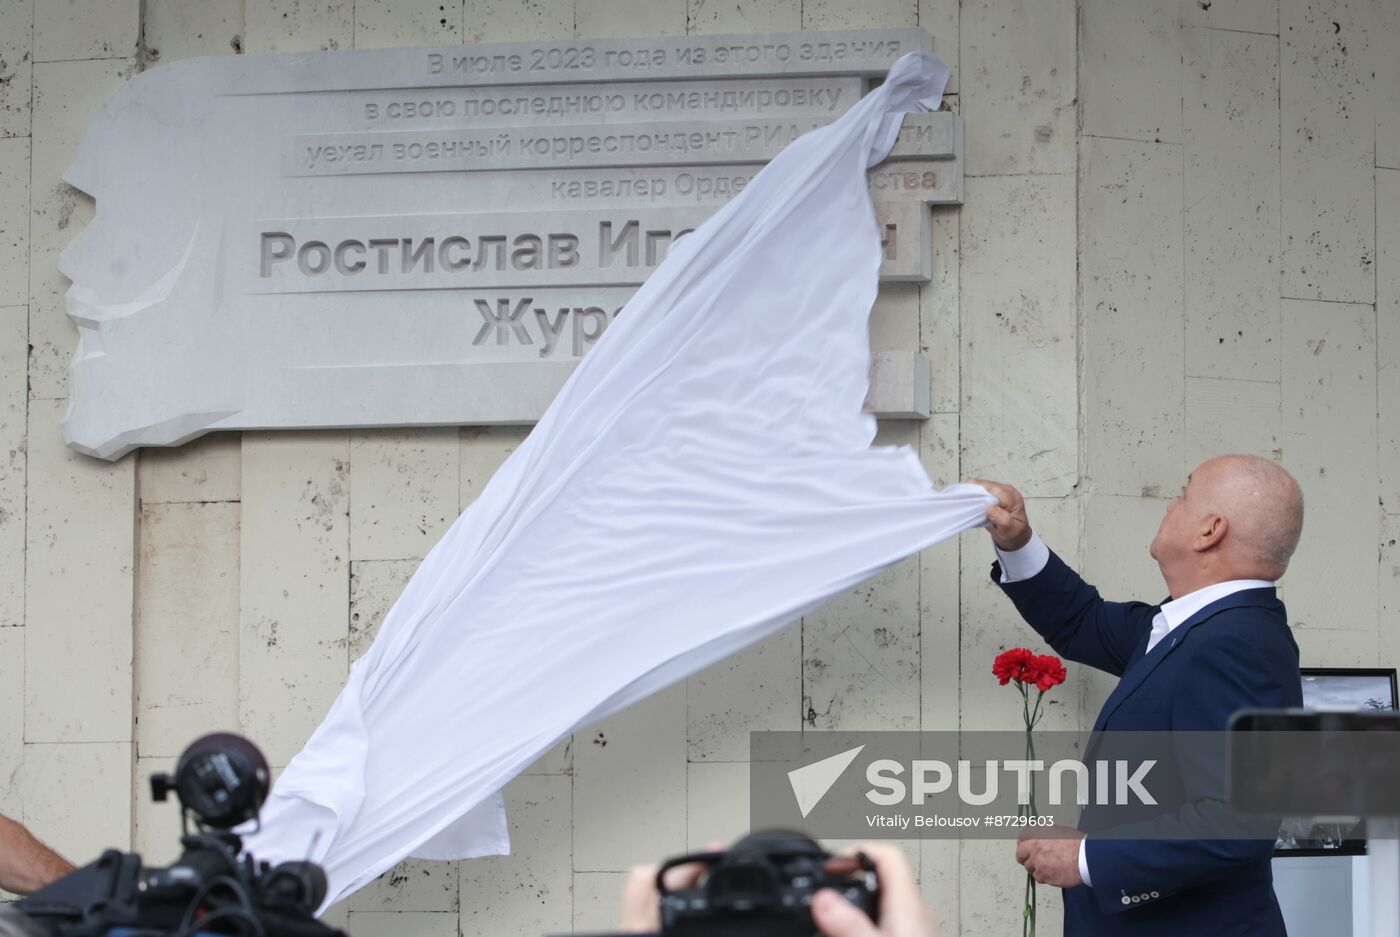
221 781
762 886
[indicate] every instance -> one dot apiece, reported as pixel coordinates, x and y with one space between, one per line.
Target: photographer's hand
902 909
640 908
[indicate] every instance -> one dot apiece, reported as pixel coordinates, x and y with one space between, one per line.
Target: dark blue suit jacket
1235 653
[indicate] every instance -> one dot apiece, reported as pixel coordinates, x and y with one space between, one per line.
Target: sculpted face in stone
1237 517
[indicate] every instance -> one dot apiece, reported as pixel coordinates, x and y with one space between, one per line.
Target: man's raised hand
1010 529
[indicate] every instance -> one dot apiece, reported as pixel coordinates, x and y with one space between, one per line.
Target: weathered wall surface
1181 237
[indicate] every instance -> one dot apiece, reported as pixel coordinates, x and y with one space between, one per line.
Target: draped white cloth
704 478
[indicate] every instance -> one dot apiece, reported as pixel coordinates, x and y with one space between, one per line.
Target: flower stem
1028 810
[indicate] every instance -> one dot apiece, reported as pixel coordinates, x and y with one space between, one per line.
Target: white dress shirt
1028 561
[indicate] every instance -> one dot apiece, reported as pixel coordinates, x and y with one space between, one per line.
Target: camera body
762 886
221 781
209 889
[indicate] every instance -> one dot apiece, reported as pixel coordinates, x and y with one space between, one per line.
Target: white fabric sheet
704 478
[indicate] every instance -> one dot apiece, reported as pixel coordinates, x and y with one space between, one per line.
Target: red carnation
1012 665
1045 671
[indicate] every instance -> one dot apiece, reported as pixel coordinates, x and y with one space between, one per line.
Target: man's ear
1212 530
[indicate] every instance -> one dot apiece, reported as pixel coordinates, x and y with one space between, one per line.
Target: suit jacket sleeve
1230 672
1071 616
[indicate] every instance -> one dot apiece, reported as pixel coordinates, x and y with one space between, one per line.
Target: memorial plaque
435 236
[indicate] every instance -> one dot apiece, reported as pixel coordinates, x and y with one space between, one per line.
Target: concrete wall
1181 237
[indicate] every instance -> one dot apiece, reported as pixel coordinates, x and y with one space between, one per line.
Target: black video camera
762 886
221 781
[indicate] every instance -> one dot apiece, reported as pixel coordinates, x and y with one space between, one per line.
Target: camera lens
222 779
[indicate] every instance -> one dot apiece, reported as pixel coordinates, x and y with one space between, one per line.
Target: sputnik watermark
987 785
811 782
880 821
1117 782
931 777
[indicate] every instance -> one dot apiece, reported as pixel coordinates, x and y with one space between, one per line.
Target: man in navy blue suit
1221 643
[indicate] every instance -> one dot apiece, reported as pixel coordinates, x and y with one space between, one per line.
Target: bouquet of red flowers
1027 670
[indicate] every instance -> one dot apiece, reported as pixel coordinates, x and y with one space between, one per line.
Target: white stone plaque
435 236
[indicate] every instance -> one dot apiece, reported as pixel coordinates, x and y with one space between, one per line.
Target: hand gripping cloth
704 478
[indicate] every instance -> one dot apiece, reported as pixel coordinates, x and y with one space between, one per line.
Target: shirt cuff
1084 863
1025 562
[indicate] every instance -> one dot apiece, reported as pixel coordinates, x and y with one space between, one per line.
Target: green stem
1031 717
1021 809
1030 749
1028 912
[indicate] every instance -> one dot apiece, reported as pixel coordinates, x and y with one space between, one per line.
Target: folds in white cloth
704 478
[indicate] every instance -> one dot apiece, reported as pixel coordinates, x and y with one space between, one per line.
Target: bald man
1219 644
